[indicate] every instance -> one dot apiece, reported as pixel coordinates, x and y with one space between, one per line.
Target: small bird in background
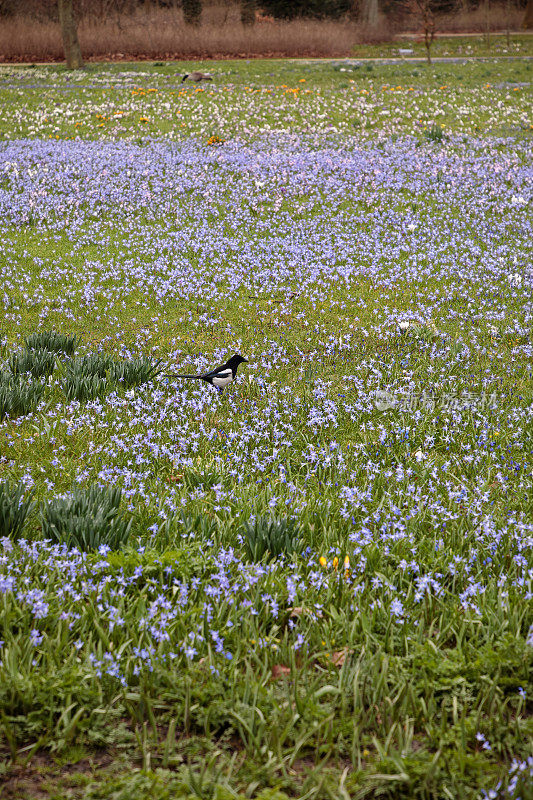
219 377
197 76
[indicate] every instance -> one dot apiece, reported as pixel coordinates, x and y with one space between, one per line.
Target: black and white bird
219 377
197 76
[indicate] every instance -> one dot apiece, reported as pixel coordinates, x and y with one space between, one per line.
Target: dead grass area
162 34
500 18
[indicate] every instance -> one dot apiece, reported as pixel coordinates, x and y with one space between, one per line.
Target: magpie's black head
235 360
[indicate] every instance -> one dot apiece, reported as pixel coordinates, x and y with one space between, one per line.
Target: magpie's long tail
174 375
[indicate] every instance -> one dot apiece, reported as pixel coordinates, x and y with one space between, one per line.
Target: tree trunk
247 12
428 39
507 22
528 17
69 33
370 10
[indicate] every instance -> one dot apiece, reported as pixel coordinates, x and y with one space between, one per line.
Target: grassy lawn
452 46
141 101
317 584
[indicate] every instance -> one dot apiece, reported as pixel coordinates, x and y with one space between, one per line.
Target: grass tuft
87 519
13 508
36 362
87 377
135 372
53 342
267 538
18 397
435 134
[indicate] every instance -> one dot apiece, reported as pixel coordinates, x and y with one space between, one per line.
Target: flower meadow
318 583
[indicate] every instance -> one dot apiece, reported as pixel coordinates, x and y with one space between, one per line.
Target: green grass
139 101
452 46
246 641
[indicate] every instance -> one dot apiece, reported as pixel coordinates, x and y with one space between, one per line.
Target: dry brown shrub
475 20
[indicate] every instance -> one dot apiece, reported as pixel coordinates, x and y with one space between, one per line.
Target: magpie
220 376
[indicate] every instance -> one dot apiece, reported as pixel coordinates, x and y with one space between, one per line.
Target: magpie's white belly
222 380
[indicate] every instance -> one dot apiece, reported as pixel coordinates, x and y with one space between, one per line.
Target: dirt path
415 35
416 59
349 60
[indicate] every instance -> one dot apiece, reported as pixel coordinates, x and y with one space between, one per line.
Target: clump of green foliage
206 479
35 362
435 134
135 371
87 376
14 509
267 538
84 388
53 342
87 519
16 396
92 364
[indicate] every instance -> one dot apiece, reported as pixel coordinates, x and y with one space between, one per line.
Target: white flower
420 456
515 279
411 227
404 324
384 400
